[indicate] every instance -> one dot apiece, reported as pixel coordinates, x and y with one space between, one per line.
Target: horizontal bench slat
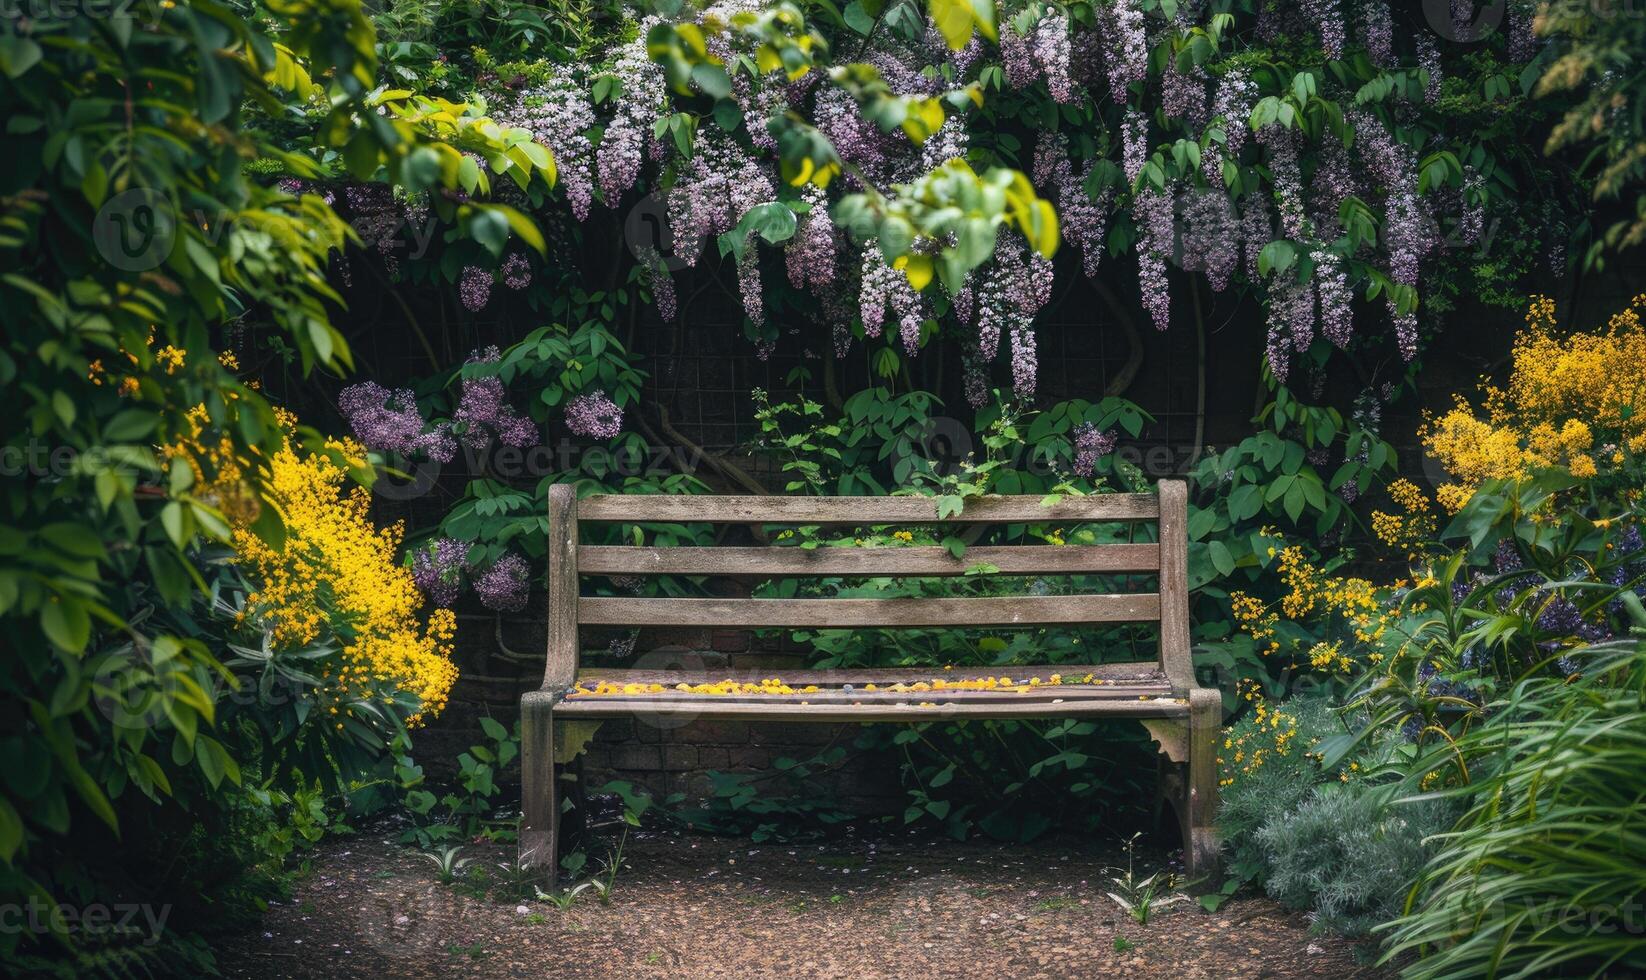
713 709
1009 559
1040 695
824 613
685 508
1143 672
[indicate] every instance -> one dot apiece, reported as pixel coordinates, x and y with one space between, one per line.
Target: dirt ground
696 906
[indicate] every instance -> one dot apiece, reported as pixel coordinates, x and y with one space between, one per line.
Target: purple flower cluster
506 585
810 254
1256 231
483 409
1183 95
1090 445
1377 32
1211 235
438 570
389 422
639 103
1236 95
882 289
1284 170
1332 287
559 116
1291 323
474 288
1007 296
1126 43
1052 53
1157 232
1134 144
517 272
1327 20
594 415
656 276
1083 220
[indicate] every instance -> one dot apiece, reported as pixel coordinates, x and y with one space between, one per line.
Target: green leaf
17 54
65 623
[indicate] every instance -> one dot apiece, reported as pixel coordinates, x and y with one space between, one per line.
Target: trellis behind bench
1162 694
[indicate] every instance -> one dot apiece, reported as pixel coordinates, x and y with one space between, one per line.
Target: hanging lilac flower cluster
1004 297
1134 144
593 415
559 116
1051 51
389 422
1083 221
1256 231
1236 94
884 289
950 141
1126 41
1327 20
1183 95
1523 40
1211 235
483 410
1090 445
1334 181
1377 32
711 194
506 585
1428 58
655 275
858 141
810 253
1291 322
1155 244
1284 170
639 104
474 288
438 570
376 216
517 271
1332 287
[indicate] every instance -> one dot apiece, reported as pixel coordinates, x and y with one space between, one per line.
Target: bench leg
1201 849
540 819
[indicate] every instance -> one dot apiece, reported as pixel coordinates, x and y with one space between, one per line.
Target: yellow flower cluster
337 568
1410 529
1564 393
775 686
218 468
1267 733
1311 592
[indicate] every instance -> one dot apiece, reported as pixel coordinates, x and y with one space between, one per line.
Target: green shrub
1545 874
1349 854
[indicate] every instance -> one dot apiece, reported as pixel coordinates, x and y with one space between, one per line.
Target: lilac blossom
1183 95
640 102
1090 445
593 415
810 253
1134 142
506 585
474 288
389 422
438 570
483 410
1155 241
559 116
517 272
1377 32
1126 41
1211 236
1327 19
1332 288
1083 221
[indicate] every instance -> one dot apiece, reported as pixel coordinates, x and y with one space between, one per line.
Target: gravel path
693 906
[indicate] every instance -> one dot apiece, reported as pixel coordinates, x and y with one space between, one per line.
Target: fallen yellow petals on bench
774 686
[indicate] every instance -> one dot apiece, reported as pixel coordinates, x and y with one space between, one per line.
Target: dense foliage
213 641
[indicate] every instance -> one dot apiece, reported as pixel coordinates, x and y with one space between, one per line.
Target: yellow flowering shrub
1412 527
1331 605
335 573
1574 401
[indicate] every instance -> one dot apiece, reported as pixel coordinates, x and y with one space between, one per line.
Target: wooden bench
1184 718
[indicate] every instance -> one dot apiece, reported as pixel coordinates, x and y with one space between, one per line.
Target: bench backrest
1166 558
